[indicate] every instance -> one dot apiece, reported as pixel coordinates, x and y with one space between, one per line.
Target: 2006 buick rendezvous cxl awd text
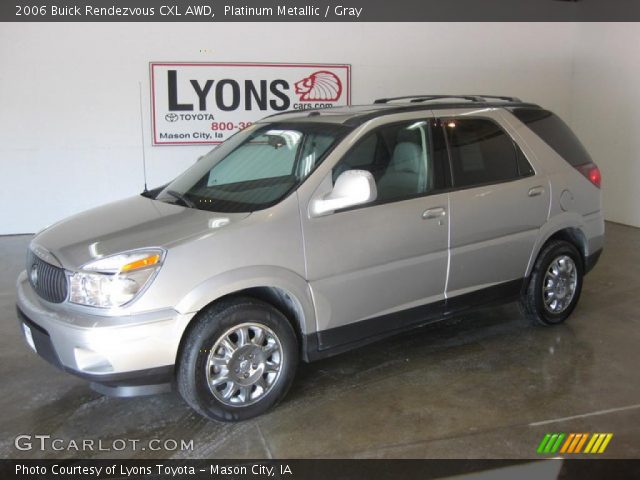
311 233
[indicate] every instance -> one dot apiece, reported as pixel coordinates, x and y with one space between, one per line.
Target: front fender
253 277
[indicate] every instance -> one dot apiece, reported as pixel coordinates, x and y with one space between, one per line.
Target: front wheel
555 284
238 360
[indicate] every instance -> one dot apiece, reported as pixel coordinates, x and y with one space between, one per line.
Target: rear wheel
555 284
238 360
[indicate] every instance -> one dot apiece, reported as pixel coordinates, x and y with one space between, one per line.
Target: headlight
115 280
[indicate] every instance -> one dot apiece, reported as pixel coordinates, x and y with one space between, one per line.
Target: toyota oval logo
171 117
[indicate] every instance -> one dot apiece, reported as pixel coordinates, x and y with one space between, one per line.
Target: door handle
436 212
535 191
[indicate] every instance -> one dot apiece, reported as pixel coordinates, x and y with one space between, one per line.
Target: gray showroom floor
481 386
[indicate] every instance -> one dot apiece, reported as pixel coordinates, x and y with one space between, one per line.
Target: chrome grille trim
48 281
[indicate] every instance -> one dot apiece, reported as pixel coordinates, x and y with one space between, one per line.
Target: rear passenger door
497 204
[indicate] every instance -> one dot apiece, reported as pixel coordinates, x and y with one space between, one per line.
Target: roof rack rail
500 97
427 98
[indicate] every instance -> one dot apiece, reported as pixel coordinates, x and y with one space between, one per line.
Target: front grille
49 281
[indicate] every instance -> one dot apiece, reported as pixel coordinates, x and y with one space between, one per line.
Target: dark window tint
481 152
440 157
401 159
555 133
524 167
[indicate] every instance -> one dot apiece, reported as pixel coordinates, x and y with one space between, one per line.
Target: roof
358 114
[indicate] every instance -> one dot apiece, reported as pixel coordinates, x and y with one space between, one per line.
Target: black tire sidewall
550 254
192 365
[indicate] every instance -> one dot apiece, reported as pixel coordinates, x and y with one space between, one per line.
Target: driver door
382 266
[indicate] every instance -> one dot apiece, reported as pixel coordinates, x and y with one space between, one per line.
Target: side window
400 158
314 146
524 167
481 152
555 133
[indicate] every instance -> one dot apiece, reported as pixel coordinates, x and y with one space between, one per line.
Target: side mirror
353 187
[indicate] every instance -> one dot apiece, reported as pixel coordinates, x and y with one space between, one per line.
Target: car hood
135 222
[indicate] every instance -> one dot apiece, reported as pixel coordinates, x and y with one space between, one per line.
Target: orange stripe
575 442
567 442
584 439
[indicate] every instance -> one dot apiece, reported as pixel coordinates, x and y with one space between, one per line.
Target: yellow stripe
567 442
606 442
574 443
590 444
598 442
584 439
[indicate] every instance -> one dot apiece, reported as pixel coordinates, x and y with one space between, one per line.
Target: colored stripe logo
593 443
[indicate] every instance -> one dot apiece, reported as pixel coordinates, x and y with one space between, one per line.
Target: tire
557 276
247 349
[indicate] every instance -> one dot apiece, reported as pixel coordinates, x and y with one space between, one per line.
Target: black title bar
318 10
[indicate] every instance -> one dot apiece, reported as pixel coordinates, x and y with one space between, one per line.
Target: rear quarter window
555 133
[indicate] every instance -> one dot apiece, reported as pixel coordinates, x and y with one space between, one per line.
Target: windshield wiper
182 198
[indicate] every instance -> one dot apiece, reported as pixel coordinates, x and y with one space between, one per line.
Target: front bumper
120 355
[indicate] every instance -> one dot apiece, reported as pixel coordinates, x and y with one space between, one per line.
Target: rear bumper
121 356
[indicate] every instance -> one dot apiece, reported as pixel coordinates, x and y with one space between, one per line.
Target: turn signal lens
145 262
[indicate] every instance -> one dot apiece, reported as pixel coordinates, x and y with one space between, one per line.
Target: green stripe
558 443
550 444
543 443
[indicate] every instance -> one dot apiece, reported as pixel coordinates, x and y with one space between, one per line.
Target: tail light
591 172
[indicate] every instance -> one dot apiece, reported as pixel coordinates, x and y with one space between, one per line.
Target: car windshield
254 169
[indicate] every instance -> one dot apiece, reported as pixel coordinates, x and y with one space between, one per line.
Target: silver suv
311 233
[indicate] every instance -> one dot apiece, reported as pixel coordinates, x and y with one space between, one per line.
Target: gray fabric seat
405 174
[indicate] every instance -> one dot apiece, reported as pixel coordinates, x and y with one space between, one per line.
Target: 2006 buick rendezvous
311 233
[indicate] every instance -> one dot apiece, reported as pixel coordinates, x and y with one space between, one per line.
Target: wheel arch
570 231
281 288
574 236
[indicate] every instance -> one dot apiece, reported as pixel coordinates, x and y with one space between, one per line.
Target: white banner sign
205 103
